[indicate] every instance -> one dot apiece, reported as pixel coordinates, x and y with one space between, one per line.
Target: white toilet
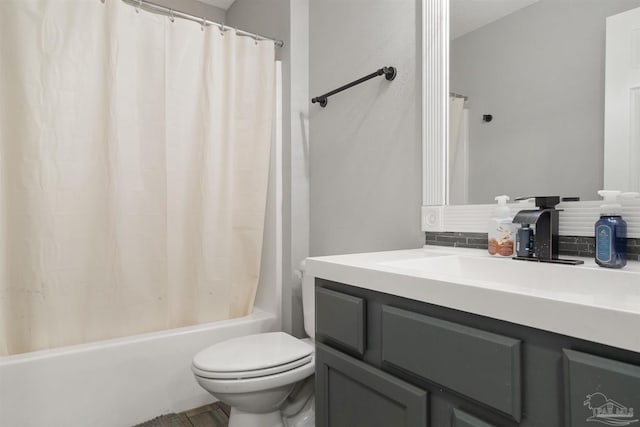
262 377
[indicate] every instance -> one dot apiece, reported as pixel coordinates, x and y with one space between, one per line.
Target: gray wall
540 72
195 8
365 146
266 17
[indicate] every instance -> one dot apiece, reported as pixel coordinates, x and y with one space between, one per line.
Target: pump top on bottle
610 207
502 211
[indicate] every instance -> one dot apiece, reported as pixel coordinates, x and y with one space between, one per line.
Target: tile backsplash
568 245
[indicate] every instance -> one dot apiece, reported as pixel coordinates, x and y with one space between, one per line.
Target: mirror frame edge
435 116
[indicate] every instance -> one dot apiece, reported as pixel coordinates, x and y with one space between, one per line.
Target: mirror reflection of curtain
458 151
134 157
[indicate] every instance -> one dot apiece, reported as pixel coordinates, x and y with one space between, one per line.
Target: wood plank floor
214 415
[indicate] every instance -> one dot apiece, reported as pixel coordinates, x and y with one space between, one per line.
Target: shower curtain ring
138 6
222 30
204 22
171 18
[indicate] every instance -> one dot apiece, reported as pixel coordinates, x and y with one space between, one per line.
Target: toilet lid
242 375
252 353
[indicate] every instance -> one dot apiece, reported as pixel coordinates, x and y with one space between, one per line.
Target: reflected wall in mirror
537 67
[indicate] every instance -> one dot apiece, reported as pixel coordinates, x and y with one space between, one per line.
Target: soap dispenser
611 232
501 231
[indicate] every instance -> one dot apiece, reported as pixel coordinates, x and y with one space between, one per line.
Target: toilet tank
308 302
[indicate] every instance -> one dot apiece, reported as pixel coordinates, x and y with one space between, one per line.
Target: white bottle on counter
502 230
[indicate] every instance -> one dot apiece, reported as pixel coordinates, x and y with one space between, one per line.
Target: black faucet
546 219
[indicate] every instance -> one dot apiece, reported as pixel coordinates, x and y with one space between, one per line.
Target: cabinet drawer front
462 419
341 319
600 391
477 364
350 393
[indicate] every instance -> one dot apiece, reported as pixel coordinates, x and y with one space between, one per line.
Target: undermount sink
591 285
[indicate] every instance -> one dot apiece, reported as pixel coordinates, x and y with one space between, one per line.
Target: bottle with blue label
611 232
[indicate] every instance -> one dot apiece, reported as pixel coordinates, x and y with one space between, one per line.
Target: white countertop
585 301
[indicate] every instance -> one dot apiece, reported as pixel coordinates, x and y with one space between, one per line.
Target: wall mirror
535 97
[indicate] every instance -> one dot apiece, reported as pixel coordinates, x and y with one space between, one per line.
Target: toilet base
239 418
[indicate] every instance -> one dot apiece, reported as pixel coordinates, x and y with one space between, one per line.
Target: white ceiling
469 15
222 4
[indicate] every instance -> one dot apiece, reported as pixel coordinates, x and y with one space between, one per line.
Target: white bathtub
114 383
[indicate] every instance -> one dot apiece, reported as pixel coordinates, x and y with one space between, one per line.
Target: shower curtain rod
173 13
457 95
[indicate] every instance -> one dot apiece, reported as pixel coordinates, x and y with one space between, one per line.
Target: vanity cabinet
383 360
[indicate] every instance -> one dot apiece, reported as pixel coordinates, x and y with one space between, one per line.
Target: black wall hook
389 74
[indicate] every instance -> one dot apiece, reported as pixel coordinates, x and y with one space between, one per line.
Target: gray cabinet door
341 319
600 391
477 364
350 393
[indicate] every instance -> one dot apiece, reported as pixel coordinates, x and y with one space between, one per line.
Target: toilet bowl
254 375
260 376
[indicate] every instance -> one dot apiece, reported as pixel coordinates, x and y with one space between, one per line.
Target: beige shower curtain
458 163
134 157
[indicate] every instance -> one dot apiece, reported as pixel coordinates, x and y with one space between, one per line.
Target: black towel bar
389 74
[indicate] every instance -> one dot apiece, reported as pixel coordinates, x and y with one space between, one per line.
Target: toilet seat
259 384
252 356
253 373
